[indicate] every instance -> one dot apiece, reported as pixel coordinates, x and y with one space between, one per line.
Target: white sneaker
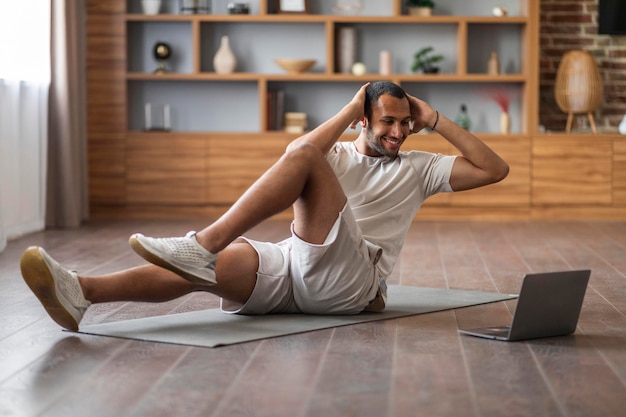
56 288
181 255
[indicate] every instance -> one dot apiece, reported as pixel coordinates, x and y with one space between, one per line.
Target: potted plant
420 7
424 60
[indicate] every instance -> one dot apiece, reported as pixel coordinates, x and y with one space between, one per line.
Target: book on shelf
275 109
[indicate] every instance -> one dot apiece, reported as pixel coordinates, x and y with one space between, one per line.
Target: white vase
224 60
622 126
151 6
505 123
385 63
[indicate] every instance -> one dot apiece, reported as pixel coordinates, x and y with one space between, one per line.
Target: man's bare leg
301 178
66 296
236 270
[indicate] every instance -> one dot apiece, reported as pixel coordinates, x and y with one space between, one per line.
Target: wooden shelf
311 18
243 76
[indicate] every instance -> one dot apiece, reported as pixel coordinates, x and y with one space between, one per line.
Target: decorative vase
151 6
505 123
420 11
224 60
493 65
622 126
347 41
384 64
578 87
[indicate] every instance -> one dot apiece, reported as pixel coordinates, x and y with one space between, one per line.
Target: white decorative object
500 11
505 123
151 6
384 66
359 68
622 126
157 117
224 60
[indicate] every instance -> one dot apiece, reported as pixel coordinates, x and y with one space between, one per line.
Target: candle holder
157 117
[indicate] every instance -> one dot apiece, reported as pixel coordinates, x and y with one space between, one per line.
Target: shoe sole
39 279
140 250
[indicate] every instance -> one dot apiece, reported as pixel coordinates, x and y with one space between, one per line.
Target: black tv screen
612 17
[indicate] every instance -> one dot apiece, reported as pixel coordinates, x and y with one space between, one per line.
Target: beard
375 143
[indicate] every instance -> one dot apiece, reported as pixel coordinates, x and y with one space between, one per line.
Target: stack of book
295 122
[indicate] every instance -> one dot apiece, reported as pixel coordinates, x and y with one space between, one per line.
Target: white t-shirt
385 193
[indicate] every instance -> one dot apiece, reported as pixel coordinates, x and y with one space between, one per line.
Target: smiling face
387 128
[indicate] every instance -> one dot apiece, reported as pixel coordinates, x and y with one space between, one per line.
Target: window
25 40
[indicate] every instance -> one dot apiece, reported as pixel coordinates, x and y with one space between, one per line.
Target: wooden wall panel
106 101
166 168
619 172
106 167
572 170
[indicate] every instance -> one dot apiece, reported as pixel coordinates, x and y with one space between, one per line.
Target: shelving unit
220 141
259 38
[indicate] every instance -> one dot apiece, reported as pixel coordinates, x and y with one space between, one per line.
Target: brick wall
573 24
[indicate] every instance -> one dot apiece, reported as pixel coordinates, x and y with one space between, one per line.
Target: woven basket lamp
578 88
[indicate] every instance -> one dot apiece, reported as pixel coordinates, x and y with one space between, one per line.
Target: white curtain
24 84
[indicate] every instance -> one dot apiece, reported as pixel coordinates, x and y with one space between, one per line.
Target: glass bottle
462 119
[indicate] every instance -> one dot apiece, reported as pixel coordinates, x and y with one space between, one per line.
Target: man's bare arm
478 164
325 135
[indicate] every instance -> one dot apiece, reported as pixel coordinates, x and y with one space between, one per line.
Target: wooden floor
415 366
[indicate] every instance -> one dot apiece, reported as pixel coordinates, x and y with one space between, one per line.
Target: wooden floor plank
279 377
429 368
356 374
197 384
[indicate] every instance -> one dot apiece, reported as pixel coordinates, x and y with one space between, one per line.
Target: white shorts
336 277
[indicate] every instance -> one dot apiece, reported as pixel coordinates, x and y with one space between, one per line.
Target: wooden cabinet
166 168
514 190
619 172
572 170
236 162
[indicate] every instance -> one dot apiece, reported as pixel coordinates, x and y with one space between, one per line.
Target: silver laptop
548 305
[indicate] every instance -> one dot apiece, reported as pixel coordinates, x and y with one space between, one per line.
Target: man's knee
304 150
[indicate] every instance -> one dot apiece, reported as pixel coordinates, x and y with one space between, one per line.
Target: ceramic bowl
295 65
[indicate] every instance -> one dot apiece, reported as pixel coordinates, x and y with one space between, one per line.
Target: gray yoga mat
212 328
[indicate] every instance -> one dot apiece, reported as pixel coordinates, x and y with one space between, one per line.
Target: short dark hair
377 89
